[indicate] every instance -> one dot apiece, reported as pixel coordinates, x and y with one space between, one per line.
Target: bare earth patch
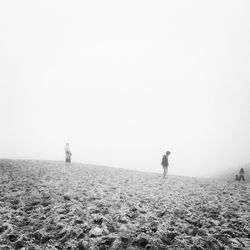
50 205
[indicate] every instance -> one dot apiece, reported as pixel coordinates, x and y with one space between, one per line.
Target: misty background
123 82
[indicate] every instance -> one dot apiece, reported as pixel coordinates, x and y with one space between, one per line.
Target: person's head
168 153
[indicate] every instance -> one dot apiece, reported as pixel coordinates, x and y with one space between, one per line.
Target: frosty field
51 205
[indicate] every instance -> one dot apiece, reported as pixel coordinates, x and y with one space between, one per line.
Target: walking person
164 164
67 153
242 173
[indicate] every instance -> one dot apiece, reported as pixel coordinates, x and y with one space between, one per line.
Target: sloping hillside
230 173
51 205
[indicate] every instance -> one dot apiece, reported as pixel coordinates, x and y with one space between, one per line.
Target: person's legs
163 175
165 171
241 177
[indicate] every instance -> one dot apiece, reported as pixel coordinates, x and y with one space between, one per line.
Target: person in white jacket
67 153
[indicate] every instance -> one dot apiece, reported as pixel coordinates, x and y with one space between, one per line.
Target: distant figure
164 164
237 177
67 153
242 173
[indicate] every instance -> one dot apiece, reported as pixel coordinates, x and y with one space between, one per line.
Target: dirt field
48 205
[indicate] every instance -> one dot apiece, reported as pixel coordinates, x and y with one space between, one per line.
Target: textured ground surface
47 205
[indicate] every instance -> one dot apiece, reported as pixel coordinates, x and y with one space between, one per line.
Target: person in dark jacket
242 173
164 164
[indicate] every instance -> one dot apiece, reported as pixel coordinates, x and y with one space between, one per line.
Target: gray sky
124 81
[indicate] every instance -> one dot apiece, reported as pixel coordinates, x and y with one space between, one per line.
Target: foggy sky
123 82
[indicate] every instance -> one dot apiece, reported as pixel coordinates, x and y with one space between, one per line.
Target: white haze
124 81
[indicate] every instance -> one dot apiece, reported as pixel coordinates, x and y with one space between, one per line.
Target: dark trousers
68 159
242 177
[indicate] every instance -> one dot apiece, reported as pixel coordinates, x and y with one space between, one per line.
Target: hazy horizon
123 82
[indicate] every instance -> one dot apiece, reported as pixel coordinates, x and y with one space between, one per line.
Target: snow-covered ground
51 205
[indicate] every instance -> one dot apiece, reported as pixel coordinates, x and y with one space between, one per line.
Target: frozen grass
51 205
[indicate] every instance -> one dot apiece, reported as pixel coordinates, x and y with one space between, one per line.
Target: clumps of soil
51 205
